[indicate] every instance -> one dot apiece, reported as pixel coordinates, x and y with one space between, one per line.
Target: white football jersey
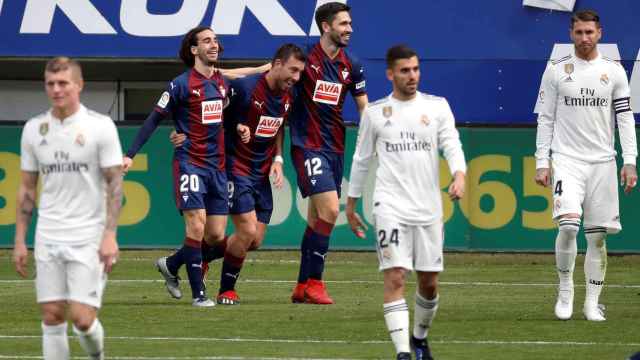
69 155
577 106
407 137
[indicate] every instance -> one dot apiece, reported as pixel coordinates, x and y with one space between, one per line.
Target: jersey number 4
558 188
382 238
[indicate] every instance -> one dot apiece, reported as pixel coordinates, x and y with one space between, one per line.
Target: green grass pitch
493 306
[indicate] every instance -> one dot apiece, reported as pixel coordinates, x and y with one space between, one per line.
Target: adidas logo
387 123
568 79
93 294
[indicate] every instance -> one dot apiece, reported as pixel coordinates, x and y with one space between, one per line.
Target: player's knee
569 227
329 213
53 313
53 318
394 280
83 320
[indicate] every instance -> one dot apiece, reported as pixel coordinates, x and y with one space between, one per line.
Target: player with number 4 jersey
582 97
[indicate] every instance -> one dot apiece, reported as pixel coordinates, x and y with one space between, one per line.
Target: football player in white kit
76 153
581 97
407 130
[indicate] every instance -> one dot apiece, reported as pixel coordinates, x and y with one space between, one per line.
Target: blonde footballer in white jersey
76 153
406 131
581 98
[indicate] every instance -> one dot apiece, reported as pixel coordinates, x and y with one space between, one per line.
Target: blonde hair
63 63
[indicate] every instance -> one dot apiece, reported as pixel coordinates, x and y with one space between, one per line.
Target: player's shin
55 343
425 312
230 272
303 273
92 340
396 317
319 248
566 251
595 264
193 260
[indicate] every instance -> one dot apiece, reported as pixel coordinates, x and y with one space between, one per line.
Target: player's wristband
278 158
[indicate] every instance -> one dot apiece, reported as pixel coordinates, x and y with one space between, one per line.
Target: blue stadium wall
486 57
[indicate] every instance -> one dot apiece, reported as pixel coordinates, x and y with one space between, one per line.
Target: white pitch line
347 342
445 283
176 358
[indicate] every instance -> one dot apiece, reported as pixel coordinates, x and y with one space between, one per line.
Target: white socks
425 311
55 343
92 340
595 263
396 316
566 251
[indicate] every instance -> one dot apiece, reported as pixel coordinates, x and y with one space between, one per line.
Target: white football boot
594 312
564 304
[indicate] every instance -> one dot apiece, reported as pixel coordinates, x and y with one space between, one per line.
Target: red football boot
316 293
229 297
298 293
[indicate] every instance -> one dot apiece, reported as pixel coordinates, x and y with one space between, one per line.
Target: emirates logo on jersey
327 92
268 126
211 112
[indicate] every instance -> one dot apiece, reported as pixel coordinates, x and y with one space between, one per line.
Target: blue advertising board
486 57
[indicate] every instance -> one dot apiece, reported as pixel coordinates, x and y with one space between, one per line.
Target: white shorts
587 189
66 272
413 247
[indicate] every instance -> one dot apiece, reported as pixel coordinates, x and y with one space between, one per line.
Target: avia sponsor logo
135 18
212 112
327 92
268 126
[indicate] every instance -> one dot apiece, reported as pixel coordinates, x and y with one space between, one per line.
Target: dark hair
63 63
328 11
286 51
191 39
585 15
399 52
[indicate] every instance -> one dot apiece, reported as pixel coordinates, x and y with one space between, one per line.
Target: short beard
205 60
335 38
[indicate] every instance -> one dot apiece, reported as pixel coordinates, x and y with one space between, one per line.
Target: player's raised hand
276 174
244 132
628 177
127 162
456 189
355 221
177 139
108 250
20 258
543 177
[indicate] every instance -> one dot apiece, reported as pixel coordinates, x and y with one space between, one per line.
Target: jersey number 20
189 183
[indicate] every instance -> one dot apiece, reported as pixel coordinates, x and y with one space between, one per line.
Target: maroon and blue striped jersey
196 104
316 121
264 111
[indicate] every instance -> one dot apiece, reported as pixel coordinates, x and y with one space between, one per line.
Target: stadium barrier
503 210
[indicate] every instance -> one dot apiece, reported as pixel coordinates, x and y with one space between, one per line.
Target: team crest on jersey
424 119
604 80
387 111
211 111
44 128
345 74
80 140
557 204
327 92
223 91
568 69
286 106
268 126
164 100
